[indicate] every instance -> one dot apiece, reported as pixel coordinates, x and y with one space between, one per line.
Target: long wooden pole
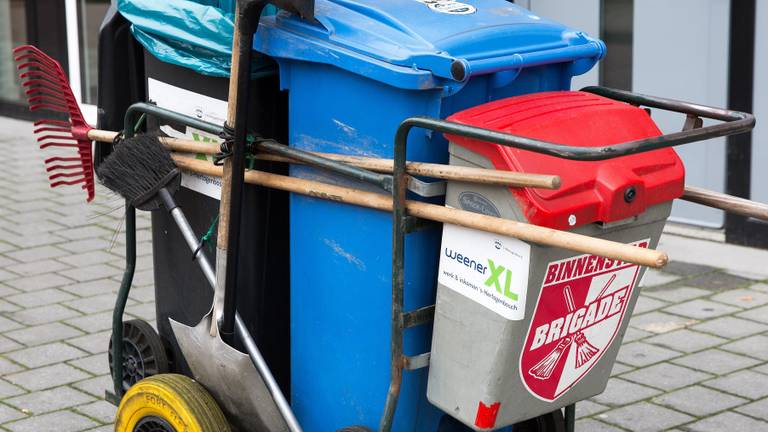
445 172
725 202
522 231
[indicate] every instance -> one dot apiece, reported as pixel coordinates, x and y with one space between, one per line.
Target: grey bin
521 329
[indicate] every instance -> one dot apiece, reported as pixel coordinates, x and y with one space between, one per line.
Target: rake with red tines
47 88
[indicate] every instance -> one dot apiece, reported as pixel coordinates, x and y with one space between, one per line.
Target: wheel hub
153 424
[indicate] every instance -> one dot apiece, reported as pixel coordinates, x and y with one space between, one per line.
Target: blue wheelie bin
353 76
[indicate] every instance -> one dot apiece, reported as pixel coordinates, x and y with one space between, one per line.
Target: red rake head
47 88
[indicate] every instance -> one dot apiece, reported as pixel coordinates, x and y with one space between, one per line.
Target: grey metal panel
583 15
760 137
681 52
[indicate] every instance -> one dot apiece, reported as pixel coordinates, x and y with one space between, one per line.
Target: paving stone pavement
695 357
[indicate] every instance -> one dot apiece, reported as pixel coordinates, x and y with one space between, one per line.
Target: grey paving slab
744 383
753 346
41 334
646 304
93 343
594 425
49 400
8 414
92 323
699 401
632 334
87 258
716 361
37 267
60 421
102 411
660 322
666 376
622 392
620 368
758 409
97 364
43 355
718 281
7 366
89 273
685 340
39 282
588 408
743 298
92 288
759 314
43 314
645 417
93 304
730 327
681 268
762 287
643 354
47 377
729 421
701 309
40 298
95 386
654 277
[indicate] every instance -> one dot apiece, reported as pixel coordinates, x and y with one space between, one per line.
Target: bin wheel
551 422
169 403
143 353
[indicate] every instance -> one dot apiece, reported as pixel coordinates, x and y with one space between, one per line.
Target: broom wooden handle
445 172
725 202
522 231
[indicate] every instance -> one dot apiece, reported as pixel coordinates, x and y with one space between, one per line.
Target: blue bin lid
424 44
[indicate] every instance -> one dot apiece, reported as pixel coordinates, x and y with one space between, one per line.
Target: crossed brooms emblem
584 350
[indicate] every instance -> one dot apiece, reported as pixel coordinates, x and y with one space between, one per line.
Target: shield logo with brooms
580 308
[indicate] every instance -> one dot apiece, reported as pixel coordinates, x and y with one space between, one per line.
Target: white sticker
487 268
449 7
195 105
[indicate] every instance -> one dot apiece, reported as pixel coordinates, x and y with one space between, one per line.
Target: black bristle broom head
137 169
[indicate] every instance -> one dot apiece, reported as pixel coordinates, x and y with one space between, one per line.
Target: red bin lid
591 191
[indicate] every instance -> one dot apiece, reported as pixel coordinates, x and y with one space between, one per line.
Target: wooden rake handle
522 231
445 172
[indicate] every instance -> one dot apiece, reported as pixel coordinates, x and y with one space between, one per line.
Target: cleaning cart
513 310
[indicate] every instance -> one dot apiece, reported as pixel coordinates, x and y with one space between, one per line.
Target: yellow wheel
169 403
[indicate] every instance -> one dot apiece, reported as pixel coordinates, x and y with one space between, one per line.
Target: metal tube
122 299
570 418
382 180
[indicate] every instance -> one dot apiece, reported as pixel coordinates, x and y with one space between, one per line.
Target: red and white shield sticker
581 305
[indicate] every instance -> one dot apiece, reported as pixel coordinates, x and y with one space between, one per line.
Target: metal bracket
419 316
426 189
692 122
416 362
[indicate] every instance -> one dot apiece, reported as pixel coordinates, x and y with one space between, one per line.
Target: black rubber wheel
143 353
551 422
354 429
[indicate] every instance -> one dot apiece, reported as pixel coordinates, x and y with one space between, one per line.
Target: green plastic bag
192 34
